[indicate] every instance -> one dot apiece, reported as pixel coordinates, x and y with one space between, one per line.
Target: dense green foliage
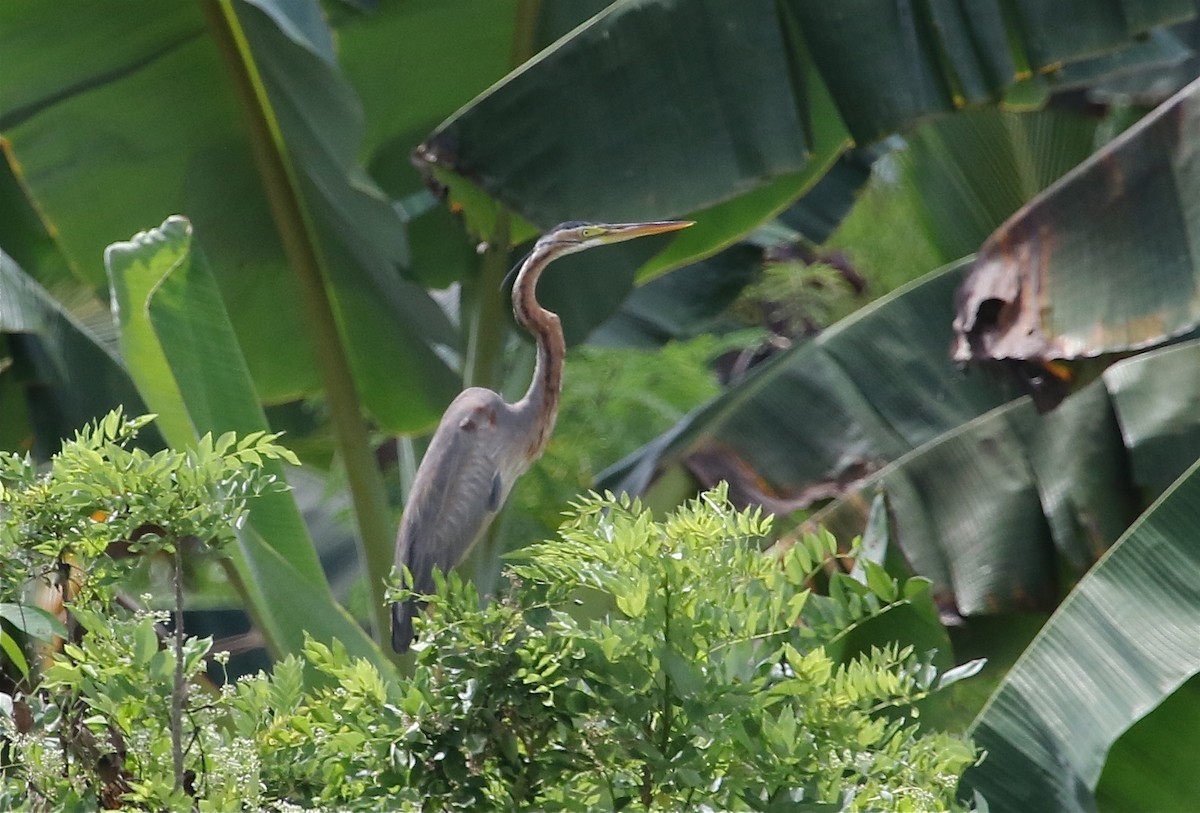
100 476
103 717
671 664
296 277
660 664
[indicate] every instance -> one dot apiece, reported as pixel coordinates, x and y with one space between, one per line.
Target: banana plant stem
300 244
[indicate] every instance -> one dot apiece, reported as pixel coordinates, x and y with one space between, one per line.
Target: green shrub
112 714
631 663
670 665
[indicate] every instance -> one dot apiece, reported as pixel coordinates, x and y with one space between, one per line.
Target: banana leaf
61 375
411 64
1106 260
968 172
833 409
183 354
692 300
1122 644
25 238
1151 87
746 110
141 91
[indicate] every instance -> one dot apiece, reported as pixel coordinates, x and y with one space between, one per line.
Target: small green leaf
796 607
879 582
799 564
961 672
162 666
633 603
145 642
33 621
13 650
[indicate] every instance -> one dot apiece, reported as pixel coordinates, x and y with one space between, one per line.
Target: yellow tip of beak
628 231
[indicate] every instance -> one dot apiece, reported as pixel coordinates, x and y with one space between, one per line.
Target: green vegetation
112 716
671 665
341 186
666 664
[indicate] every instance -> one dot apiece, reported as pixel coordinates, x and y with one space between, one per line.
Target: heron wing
461 484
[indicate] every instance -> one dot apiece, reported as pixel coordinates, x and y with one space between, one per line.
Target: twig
179 690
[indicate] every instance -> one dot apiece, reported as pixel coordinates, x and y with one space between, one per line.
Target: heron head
576 235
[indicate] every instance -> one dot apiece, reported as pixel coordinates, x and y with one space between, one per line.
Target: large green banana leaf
700 101
998 512
411 64
984 504
830 410
24 236
183 354
1122 644
967 172
127 114
62 374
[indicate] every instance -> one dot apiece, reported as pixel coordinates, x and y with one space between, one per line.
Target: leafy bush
110 717
668 665
631 663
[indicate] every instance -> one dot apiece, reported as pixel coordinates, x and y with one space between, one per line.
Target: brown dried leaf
1106 260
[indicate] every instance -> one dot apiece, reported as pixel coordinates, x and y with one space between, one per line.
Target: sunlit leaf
33 621
183 353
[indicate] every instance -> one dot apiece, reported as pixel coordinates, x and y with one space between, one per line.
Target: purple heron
483 444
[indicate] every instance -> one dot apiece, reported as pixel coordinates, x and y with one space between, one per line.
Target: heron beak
620 232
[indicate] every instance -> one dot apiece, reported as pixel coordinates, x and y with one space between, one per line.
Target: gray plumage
463 482
483 444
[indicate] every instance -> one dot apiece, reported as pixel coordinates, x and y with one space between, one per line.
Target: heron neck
541 399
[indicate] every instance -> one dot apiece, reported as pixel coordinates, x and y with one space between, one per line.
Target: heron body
483 444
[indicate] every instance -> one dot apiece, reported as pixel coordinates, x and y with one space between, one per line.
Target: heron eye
588 232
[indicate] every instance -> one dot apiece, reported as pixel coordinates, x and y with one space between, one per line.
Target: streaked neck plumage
540 403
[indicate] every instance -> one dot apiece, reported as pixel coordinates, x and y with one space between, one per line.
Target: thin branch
858 622
179 690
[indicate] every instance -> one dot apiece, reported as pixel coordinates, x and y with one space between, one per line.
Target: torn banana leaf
1106 260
